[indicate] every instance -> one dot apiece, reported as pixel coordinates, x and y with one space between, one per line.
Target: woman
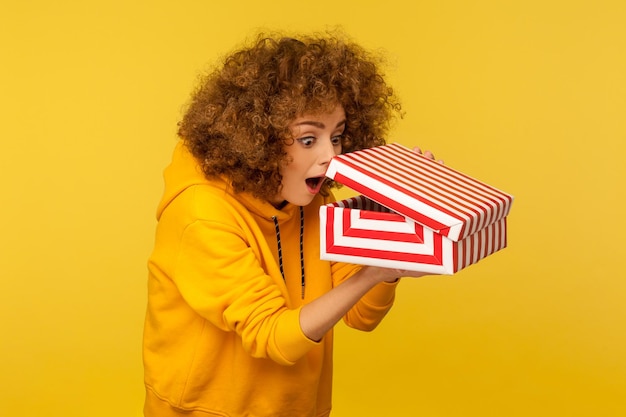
240 307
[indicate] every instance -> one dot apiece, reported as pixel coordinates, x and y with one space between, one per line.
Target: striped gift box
413 213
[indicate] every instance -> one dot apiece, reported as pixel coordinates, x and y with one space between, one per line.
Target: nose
327 152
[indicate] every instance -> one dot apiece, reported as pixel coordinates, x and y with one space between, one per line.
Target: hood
184 172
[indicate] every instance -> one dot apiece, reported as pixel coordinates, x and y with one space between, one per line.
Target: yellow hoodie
222 334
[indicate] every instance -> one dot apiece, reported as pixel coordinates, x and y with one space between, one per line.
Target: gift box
413 213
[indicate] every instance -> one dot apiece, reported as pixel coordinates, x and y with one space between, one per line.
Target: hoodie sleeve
369 311
219 276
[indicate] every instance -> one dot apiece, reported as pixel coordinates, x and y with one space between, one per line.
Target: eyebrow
318 124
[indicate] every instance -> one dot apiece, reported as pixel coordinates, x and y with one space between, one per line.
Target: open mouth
314 184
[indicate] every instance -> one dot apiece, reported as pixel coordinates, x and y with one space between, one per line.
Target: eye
307 141
336 140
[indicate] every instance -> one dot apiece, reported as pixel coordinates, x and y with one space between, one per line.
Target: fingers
427 154
412 274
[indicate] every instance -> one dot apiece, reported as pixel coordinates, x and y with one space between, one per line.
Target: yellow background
529 96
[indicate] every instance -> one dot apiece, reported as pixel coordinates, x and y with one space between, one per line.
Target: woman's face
317 138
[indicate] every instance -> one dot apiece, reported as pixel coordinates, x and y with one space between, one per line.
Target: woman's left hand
427 154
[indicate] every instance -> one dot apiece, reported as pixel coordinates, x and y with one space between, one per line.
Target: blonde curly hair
237 123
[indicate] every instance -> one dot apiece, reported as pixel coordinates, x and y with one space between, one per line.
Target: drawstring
280 249
302 251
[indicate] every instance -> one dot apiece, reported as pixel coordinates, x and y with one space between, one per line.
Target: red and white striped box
413 213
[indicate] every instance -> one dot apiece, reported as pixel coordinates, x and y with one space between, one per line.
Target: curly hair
237 123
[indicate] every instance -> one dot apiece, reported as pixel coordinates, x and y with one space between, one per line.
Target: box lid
433 195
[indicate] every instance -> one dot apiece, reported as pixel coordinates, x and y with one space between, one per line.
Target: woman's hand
390 275
427 154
